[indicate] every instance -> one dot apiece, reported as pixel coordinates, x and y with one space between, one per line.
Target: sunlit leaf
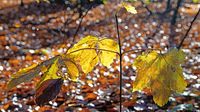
42 0
106 57
72 69
161 73
195 1
26 74
51 73
87 52
24 70
87 57
48 90
89 61
129 8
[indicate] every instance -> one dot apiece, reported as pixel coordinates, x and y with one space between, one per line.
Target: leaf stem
79 25
181 43
136 50
93 49
120 61
146 7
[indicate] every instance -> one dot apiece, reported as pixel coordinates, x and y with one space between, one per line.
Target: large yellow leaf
89 60
82 54
106 57
72 70
26 74
88 51
161 73
87 42
51 73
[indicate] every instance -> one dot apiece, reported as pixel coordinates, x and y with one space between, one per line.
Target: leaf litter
100 86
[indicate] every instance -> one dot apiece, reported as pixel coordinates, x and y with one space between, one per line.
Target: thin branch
120 61
79 25
146 7
172 26
181 43
21 3
168 5
173 21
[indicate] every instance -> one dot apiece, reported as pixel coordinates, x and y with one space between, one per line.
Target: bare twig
181 43
22 3
79 25
120 61
78 28
168 5
173 22
146 7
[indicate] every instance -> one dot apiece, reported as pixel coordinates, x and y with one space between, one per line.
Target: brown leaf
14 62
48 90
90 96
128 103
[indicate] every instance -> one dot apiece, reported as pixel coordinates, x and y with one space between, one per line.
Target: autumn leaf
48 90
72 72
90 50
26 74
129 8
51 73
106 58
161 73
38 1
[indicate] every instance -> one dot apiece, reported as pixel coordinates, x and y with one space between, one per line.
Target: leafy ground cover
35 32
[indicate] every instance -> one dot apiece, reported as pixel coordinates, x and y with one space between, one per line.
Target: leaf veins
161 73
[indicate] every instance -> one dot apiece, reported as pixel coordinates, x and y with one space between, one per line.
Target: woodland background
37 31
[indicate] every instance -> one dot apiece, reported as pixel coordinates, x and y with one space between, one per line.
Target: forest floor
37 31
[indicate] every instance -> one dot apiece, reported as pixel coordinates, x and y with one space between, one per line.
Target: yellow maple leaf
161 73
129 8
88 51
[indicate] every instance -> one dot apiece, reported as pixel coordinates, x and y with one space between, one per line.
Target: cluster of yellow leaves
86 53
91 50
161 73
